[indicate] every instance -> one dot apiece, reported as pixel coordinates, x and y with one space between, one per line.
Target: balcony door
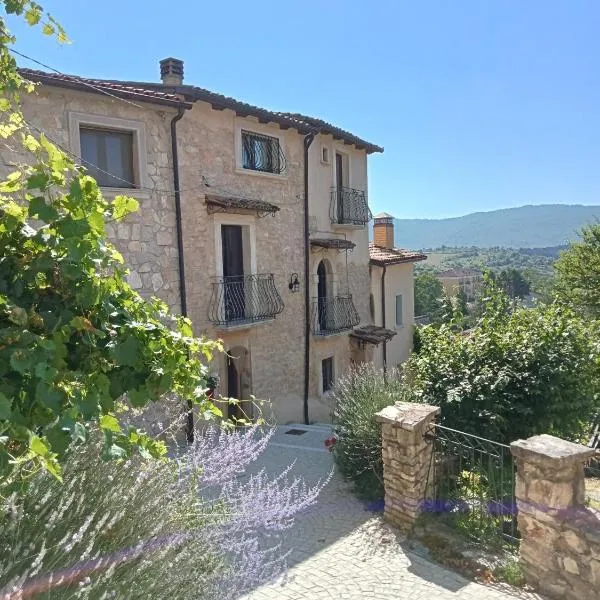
339 185
323 295
233 272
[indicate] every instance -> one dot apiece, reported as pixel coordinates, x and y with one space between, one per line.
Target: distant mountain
523 227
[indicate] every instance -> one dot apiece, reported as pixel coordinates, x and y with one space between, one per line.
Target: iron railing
349 207
471 485
244 299
332 315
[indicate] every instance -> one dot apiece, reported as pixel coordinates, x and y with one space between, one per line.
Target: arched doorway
239 382
324 293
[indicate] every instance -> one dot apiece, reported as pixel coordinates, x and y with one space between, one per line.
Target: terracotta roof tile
391 256
100 86
171 95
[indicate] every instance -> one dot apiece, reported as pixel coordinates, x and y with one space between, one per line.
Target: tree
428 294
513 283
578 272
461 303
75 338
519 372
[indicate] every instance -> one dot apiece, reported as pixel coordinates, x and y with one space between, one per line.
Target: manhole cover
296 431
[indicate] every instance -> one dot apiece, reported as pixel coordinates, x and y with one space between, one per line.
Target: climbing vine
75 338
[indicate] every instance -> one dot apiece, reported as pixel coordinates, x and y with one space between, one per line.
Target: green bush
357 450
517 373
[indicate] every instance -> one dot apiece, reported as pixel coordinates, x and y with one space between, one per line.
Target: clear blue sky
479 104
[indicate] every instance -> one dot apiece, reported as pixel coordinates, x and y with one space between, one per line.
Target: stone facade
560 536
406 459
267 356
146 239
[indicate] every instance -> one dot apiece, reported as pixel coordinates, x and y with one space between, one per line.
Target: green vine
75 338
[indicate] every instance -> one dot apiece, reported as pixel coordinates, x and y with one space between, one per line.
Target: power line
79 79
79 159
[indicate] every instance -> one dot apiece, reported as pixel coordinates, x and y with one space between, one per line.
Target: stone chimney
171 71
383 230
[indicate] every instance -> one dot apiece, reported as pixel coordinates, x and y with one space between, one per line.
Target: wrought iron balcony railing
333 315
349 207
244 299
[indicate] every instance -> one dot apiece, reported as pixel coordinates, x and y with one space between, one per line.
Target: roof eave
97 89
396 261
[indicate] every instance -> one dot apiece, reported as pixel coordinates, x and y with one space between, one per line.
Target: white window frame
399 325
251 127
140 153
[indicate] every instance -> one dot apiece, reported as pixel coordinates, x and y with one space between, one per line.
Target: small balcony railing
349 207
244 299
333 315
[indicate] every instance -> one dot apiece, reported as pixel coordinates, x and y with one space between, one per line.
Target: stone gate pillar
406 459
560 537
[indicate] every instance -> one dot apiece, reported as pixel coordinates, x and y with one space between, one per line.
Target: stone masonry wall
406 459
208 154
560 536
146 239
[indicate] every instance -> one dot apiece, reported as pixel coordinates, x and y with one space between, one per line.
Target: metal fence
471 486
244 299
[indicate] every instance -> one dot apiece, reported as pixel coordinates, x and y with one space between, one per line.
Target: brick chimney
171 71
383 230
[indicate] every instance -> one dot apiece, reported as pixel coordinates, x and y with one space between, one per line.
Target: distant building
392 293
467 280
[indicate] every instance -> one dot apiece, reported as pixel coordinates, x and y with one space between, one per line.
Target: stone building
468 281
251 222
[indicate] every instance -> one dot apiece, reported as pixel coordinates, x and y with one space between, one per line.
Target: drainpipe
189 430
383 317
308 140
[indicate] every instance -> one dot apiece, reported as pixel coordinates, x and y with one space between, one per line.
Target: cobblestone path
341 550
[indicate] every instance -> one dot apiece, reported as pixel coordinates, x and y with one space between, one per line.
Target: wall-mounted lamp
294 283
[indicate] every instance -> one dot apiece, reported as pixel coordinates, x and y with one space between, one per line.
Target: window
262 153
325 155
327 373
399 313
108 156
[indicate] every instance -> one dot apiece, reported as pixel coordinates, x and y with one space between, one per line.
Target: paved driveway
340 550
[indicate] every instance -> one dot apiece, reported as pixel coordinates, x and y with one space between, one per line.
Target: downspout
308 140
189 430
383 317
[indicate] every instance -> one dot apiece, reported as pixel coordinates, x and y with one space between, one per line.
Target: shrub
357 451
189 527
517 373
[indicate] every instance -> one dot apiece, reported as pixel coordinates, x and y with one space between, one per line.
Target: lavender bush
198 525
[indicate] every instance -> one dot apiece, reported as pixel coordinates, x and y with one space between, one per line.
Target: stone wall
146 239
406 459
209 158
560 536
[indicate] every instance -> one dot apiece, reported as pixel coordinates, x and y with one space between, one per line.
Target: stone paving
340 549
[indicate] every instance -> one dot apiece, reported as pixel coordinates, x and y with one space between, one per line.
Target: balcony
333 315
243 300
349 207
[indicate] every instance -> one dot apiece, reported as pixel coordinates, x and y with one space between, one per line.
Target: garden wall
560 535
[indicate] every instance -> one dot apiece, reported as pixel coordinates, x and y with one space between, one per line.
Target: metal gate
471 486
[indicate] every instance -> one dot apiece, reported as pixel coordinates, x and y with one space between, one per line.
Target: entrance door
233 272
339 184
322 295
